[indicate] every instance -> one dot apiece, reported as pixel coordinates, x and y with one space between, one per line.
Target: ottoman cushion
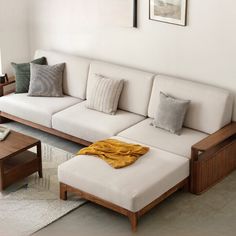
132 187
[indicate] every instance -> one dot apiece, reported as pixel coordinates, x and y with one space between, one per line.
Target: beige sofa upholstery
179 144
132 187
92 125
210 107
38 110
137 89
75 74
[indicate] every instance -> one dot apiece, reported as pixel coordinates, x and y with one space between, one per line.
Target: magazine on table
3 133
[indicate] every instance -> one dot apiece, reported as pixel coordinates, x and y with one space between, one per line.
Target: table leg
39 155
1 175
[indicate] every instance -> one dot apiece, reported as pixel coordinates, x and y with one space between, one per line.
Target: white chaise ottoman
132 190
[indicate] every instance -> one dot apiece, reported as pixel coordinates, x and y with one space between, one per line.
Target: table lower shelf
18 167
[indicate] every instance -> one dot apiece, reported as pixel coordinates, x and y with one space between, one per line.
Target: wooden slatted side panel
208 172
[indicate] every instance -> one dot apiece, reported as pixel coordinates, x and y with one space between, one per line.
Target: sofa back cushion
137 85
75 73
210 107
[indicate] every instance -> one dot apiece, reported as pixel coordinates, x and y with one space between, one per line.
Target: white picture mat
182 21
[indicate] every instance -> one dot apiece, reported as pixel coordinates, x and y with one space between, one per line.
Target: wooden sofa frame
212 159
133 216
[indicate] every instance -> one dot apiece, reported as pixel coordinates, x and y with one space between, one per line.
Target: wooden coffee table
16 162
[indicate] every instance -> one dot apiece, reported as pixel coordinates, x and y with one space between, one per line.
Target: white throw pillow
105 94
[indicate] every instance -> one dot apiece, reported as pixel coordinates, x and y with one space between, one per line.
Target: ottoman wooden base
133 216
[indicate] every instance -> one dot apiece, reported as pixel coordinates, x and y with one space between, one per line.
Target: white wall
14 32
203 51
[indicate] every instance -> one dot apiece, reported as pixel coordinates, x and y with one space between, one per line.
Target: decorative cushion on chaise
38 110
132 187
92 125
179 144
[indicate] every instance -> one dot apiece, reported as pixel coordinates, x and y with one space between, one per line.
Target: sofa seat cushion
126 187
159 138
91 125
35 109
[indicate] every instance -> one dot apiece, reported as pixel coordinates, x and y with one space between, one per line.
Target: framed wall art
169 11
116 12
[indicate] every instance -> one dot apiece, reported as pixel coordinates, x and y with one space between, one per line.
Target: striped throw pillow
105 94
46 81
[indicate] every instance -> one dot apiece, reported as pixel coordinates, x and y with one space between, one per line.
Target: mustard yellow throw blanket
116 153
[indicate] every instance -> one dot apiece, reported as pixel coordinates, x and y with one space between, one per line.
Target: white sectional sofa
198 158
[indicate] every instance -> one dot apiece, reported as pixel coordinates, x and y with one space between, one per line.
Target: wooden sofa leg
186 187
63 191
133 218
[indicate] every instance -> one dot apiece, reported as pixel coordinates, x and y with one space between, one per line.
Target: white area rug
34 203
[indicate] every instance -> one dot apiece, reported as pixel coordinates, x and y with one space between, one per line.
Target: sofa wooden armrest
213 158
216 138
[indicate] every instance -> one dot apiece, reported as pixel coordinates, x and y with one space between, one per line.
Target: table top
16 143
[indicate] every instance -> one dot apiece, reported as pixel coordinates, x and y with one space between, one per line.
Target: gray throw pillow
170 113
46 81
105 94
22 74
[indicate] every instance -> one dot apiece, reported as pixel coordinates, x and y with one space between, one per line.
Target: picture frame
168 11
135 14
